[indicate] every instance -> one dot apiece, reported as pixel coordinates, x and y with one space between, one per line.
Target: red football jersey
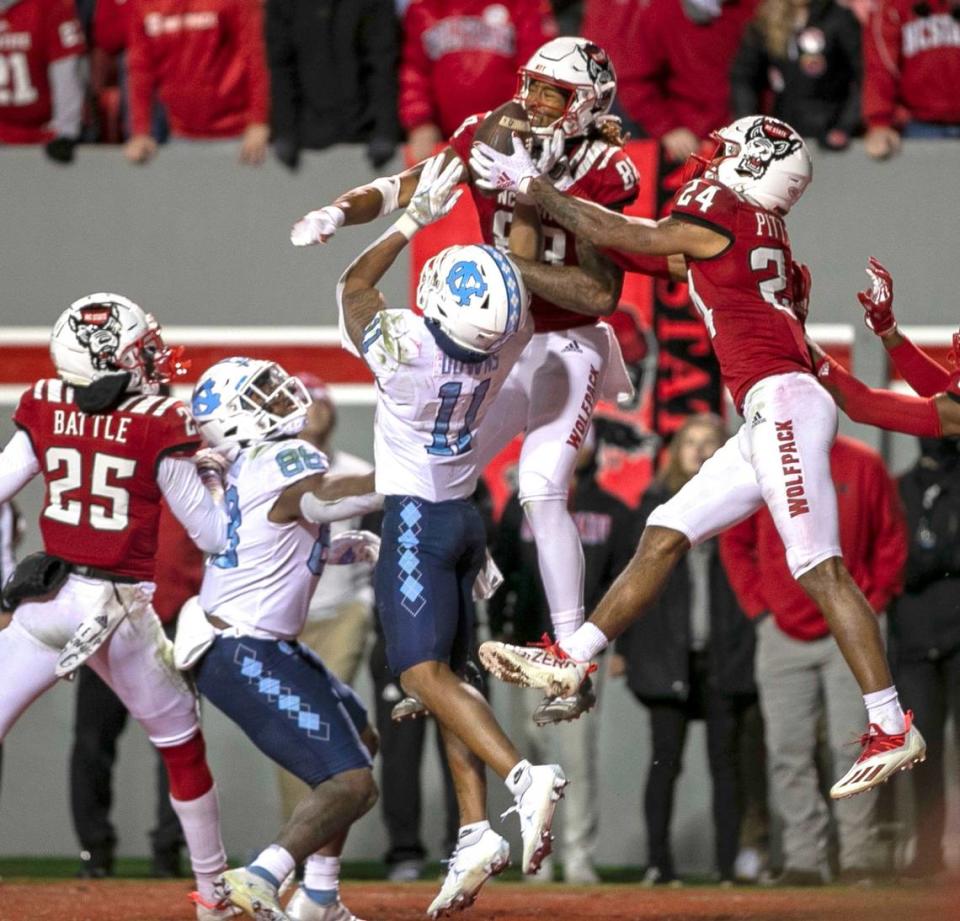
102 500
602 173
33 34
743 293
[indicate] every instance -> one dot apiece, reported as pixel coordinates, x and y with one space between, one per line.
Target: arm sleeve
321 511
881 63
748 75
851 40
919 370
378 54
251 47
889 546
415 101
204 519
141 78
66 88
282 58
18 465
738 553
882 408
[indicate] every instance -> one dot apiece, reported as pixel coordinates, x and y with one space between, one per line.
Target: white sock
321 872
277 861
470 834
586 643
566 623
883 708
519 778
200 821
560 559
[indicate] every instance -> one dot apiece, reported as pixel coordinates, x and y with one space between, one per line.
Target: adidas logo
757 419
572 346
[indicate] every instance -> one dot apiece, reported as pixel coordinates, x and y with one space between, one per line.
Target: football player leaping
437 381
572 361
109 449
728 224
241 636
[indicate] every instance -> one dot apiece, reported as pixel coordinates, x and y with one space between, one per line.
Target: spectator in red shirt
911 73
801 675
41 91
205 60
460 57
674 79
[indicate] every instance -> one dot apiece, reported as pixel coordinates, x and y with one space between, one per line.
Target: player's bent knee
187 768
359 787
423 678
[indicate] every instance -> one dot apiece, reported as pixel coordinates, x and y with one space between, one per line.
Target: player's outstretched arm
357 294
203 517
925 417
926 376
324 498
362 205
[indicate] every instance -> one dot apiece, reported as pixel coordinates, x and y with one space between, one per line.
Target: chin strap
104 394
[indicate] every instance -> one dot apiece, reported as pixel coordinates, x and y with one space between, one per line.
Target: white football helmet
475 294
761 158
238 401
106 333
578 67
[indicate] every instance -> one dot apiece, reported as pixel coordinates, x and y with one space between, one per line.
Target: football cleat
561 709
883 755
302 908
469 867
535 806
213 911
543 665
251 893
409 708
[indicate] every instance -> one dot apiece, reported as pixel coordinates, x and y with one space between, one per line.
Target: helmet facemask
276 401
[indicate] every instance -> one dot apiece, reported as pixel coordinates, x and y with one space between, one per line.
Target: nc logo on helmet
205 399
465 281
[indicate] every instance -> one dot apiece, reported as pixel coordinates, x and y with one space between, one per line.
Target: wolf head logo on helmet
759 157
108 334
579 68
475 295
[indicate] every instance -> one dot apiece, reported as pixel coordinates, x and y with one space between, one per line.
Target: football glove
317 226
436 192
877 300
500 172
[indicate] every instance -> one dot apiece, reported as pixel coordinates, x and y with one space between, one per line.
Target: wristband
389 189
406 225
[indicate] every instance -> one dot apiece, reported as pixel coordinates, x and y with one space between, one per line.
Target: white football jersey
428 434
262 583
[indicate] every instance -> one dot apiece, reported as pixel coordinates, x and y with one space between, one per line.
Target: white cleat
544 666
302 908
535 806
251 893
469 868
883 755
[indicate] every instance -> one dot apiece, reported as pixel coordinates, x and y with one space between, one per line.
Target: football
498 128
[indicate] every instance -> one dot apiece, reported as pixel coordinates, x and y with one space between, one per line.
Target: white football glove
354 547
499 172
436 192
317 226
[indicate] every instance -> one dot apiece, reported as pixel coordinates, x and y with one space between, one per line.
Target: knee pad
187 768
535 487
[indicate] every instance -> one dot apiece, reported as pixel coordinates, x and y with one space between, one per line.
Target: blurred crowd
294 75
